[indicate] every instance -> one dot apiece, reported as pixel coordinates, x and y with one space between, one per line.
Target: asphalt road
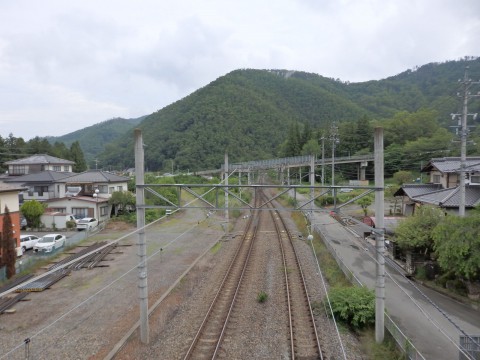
429 330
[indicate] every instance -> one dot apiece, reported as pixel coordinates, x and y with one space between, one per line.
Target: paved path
424 325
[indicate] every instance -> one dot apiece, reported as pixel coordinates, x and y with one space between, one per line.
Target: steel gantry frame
292 190
226 188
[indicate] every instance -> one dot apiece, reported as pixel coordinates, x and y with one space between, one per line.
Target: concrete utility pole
323 160
379 238
466 84
334 138
142 248
312 180
226 189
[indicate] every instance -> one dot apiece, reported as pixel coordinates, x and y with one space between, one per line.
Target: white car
49 242
28 241
87 224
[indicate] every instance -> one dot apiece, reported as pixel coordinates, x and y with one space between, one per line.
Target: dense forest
93 139
13 148
259 114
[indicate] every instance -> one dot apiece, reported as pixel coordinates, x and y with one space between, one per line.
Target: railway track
209 336
304 341
303 337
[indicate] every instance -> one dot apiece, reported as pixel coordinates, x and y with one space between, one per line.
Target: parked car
87 224
28 241
77 218
49 242
23 223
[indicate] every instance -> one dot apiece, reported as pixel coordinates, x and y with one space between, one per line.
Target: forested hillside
252 113
93 139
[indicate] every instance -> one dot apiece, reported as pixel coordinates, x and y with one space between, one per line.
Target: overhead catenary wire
106 286
423 311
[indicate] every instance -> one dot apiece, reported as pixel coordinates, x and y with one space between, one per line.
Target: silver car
87 224
49 242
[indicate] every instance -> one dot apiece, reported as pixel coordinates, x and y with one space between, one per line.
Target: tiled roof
41 177
451 197
39 159
10 188
452 164
412 190
95 176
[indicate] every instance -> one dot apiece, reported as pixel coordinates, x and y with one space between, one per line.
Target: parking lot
29 257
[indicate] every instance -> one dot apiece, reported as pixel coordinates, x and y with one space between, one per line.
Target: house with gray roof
38 163
40 186
87 194
443 188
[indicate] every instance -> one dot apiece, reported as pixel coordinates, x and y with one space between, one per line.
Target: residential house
41 186
443 187
87 194
9 199
38 163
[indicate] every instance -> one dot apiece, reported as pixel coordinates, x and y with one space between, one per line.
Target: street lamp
95 196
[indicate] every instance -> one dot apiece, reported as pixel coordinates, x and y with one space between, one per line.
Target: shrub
71 224
262 296
355 306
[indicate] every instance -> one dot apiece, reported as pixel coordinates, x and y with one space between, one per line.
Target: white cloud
90 61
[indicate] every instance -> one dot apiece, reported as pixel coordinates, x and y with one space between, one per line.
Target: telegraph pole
465 94
323 160
379 238
142 247
334 138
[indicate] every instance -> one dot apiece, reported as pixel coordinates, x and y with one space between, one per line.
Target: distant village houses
443 190
50 180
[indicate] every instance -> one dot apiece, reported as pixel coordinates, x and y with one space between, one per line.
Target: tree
402 176
311 147
457 245
76 155
8 244
122 200
415 232
364 203
32 210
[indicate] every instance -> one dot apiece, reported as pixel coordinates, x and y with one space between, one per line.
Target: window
475 179
111 189
60 210
40 190
19 169
436 179
103 189
66 168
104 211
57 168
120 188
81 212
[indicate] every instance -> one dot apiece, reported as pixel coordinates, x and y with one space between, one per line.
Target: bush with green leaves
354 306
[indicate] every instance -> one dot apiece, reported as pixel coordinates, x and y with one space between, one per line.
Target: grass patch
215 248
262 296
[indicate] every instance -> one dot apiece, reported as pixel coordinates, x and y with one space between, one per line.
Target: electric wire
419 306
106 286
328 301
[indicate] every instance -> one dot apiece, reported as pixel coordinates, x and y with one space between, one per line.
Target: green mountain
93 139
250 112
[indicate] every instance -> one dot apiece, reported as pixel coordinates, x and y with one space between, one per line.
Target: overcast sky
66 65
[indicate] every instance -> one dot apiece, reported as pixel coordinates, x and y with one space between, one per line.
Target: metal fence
402 341
471 346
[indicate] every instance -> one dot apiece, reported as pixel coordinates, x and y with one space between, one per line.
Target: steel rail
245 244
279 224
